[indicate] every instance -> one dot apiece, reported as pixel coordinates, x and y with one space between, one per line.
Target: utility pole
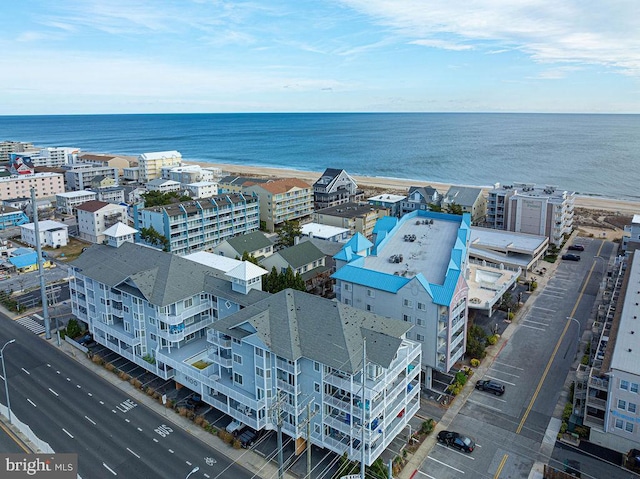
307 425
43 291
364 401
276 414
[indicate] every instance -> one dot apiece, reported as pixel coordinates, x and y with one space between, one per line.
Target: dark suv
576 247
571 257
490 386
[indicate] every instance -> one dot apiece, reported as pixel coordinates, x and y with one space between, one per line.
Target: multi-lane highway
533 364
76 411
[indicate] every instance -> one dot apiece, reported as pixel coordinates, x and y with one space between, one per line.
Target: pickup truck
235 427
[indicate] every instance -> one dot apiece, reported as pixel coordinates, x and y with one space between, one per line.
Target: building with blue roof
414 270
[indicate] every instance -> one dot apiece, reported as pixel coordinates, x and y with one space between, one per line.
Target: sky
183 56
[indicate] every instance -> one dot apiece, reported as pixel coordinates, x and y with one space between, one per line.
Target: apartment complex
51 157
631 237
150 164
79 177
335 187
68 202
355 217
94 217
114 161
52 233
172 316
282 200
607 391
527 208
197 225
19 186
413 271
8 147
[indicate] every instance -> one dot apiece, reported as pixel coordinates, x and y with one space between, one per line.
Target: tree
151 236
454 209
435 207
157 198
288 232
250 258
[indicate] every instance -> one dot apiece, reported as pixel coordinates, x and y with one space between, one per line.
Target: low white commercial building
326 232
163 186
202 189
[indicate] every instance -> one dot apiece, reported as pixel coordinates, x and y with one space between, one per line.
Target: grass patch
201 364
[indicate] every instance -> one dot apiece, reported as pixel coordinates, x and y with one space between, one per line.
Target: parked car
235 427
194 401
456 440
491 386
571 257
576 247
247 438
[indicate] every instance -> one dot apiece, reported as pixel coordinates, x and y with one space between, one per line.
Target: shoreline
591 202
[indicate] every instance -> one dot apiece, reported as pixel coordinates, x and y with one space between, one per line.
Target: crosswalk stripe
31 325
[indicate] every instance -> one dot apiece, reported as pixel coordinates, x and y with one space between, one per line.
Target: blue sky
137 56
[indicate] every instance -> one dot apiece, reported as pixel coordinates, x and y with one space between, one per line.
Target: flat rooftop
505 240
626 355
322 231
425 245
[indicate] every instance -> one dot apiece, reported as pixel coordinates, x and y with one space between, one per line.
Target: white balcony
173 319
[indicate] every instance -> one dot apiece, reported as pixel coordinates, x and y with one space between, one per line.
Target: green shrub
585 359
475 362
73 328
427 426
493 339
461 378
568 410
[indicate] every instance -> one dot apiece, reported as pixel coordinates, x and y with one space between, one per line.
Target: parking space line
546 309
533 327
502 372
498 379
445 464
508 365
483 405
425 474
535 322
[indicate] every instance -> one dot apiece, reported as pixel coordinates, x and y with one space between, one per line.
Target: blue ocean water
589 154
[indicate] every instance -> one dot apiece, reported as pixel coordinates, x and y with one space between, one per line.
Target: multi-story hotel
413 271
527 208
282 200
79 177
150 164
19 186
8 147
248 353
51 157
196 225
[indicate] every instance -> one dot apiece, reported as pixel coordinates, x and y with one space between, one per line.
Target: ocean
589 154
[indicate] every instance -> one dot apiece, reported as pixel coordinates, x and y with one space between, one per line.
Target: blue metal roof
25 259
374 279
385 224
358 243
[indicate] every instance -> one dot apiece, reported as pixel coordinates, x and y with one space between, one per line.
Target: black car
571 257
490 386
456 440
247 438
576 247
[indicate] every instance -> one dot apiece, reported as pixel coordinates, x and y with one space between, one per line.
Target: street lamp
578 338
193 471
6 379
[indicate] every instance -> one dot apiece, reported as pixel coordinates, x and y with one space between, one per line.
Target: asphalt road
77 412
533 364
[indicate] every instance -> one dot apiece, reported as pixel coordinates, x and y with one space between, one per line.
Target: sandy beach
400 186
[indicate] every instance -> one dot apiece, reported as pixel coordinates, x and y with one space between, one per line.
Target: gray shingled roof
161 278
463 195
293 324
249 242
301 254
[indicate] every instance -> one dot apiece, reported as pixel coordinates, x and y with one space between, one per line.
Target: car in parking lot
491 386
576 247
247 438
571 257
235 427
456 440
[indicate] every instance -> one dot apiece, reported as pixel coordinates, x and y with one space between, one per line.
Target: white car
234 427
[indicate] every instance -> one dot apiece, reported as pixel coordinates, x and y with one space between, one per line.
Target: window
419 337
628 427
237 378
406 318
259 393
347 301
420 321
259 352
408 303
347 286
619 424
153 337
624 384
126 309
422 306
631 407
151 320
260 372
634 387
237 358
316 387
622 404
369 308
371 293
316 428
316 365
127 327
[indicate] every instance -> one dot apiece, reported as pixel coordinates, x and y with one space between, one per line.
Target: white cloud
442 44
576 31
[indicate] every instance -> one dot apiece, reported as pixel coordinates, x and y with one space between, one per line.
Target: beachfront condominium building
197 225
390 202
205 323
68 202
527 208
631 237
51 157
607 390
114 161
355 217
190 173
282 200
19 186
414 271
79 177
8 147
94 217
335 187
469 199
151 164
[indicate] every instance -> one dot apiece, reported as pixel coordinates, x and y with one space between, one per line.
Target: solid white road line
53 392
425 474
497 379
90 420
502 372
508 365
533 327
31 402
133 453
188 463
109 469
68 433
535 322
546 309
484 405
445 464
26 371
171 451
